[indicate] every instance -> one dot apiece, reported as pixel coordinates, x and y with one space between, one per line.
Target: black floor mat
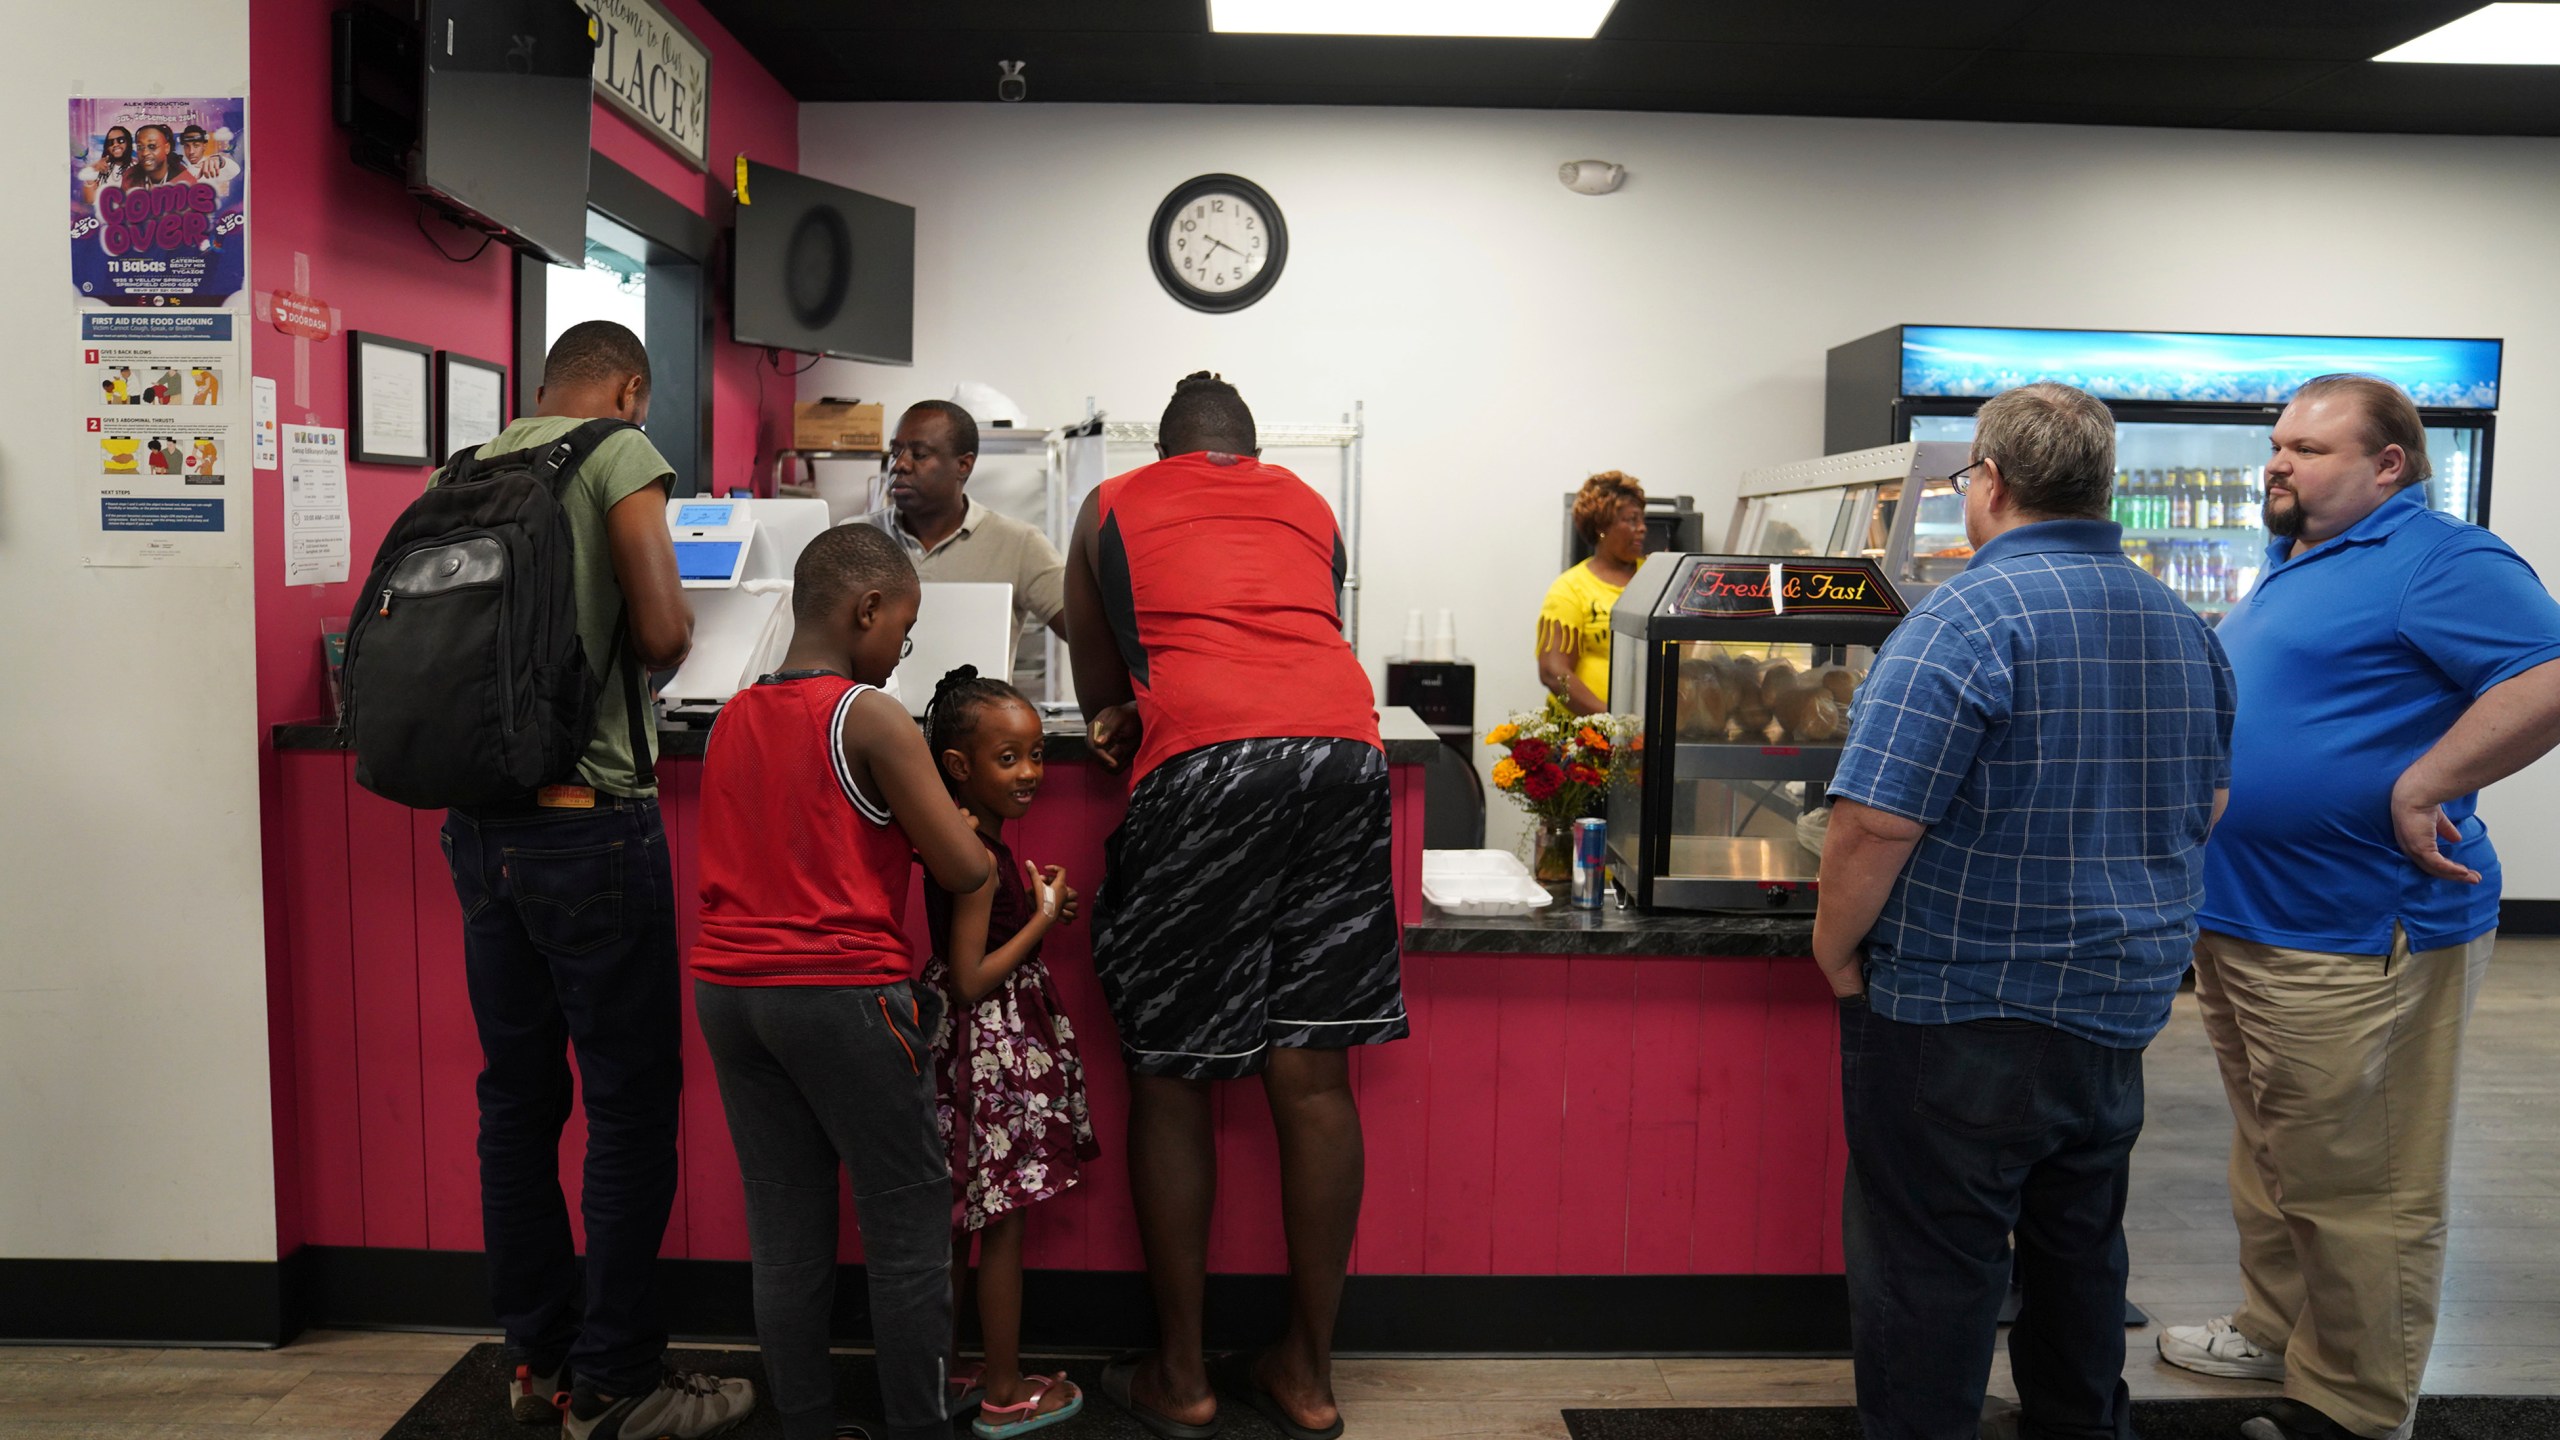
467 1403
2440 1417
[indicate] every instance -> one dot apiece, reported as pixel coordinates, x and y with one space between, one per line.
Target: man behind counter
951 537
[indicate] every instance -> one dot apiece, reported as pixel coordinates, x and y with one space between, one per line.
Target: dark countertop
1409 741
1561 929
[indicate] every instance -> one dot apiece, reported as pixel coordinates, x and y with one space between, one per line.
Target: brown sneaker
685 1406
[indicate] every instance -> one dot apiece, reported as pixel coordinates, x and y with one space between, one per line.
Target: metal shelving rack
1345 439
1063 498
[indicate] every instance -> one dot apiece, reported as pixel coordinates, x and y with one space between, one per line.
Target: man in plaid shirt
2009 895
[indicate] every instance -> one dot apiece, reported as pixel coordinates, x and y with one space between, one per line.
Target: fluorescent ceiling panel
1507 19
2505 34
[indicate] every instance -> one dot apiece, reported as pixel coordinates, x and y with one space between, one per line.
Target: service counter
1609 1133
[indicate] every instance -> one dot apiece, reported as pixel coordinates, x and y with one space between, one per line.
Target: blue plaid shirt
2060 721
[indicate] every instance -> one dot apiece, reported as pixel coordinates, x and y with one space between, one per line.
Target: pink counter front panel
1551 1115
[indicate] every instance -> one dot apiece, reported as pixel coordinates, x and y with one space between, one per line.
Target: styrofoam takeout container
1480 882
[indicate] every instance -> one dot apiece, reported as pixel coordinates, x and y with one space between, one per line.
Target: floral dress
1008 1085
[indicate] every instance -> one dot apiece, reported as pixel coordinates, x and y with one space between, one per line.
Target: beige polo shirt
993 547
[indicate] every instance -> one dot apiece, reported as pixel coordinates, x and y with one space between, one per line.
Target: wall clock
1218 243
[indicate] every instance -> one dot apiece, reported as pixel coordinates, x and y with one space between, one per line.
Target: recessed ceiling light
2504 34
1515 19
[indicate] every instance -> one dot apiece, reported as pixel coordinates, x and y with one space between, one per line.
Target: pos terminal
734 557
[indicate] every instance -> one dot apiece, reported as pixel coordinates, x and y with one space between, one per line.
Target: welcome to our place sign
654 71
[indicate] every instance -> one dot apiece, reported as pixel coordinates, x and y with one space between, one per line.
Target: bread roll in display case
1744 670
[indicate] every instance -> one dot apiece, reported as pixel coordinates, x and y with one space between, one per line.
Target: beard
2283 522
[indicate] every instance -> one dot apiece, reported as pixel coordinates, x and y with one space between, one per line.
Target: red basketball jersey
1222 576
804 878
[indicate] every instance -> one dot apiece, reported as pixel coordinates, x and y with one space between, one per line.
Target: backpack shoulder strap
461 466
557 464
561 458
635 706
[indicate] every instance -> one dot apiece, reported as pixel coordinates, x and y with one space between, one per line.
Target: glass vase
1551 854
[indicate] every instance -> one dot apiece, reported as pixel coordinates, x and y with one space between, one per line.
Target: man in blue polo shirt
2391 661
2008 900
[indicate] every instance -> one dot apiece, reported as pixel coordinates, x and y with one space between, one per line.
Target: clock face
1218 243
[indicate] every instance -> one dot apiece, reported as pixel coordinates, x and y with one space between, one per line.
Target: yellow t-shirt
1579 604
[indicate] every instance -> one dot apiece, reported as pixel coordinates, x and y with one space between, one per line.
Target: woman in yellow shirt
1573 624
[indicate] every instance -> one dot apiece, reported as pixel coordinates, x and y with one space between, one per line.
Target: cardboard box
836 425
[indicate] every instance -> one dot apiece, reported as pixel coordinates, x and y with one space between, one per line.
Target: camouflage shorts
1248 901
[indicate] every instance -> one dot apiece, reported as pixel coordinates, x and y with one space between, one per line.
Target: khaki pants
2341 1071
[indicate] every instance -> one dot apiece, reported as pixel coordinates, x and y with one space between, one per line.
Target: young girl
1012 1099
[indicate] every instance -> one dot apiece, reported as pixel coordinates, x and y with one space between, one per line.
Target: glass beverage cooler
1743 671
2194 417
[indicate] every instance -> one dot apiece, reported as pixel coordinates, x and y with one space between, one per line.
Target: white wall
134 1118
1510 336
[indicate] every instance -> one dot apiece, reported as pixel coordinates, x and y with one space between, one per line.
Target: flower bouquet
1559 766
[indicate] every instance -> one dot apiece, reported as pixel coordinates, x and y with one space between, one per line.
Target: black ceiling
2236 64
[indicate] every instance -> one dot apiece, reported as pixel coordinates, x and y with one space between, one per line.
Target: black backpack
466 683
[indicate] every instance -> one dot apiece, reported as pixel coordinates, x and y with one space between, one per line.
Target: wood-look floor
2500 1333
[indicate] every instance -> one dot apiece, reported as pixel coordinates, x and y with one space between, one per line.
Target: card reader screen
707 559
691 516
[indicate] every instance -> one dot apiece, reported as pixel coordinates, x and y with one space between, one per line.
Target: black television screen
504 119
823 270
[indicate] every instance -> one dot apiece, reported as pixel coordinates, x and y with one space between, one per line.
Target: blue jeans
1961 1137
569 940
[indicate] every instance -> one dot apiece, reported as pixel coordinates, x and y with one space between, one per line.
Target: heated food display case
2194 416
1893 503
1744 670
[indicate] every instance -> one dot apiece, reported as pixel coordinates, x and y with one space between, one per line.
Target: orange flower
1506 774
1503 734
1593 740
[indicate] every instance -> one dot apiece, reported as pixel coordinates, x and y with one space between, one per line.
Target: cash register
734 557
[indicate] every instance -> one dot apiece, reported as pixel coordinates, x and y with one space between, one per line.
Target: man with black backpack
497 667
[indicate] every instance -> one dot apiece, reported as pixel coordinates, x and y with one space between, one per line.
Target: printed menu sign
315 505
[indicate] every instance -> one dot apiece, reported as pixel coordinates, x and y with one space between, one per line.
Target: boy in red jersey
818 796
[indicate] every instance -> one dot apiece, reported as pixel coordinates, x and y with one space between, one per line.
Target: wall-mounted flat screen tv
503 133
823 270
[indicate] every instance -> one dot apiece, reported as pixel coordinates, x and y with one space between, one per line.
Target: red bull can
1590 863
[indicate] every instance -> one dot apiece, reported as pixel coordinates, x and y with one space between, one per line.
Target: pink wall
351 237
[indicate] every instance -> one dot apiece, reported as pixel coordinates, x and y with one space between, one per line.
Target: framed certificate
389 395
471 403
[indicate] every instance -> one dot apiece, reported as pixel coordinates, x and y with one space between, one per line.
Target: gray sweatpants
812 1076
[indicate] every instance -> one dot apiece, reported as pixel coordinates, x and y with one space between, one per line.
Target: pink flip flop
1029 1410
963 1389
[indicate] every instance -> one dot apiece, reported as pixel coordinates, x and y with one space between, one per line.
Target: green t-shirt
623 465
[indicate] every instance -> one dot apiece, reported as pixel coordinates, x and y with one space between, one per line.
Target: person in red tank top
1246 922
818 797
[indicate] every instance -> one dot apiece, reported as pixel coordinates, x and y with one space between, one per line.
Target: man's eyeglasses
1962 480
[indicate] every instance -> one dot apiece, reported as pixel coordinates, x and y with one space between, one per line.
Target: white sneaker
2215 1348
536 1398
